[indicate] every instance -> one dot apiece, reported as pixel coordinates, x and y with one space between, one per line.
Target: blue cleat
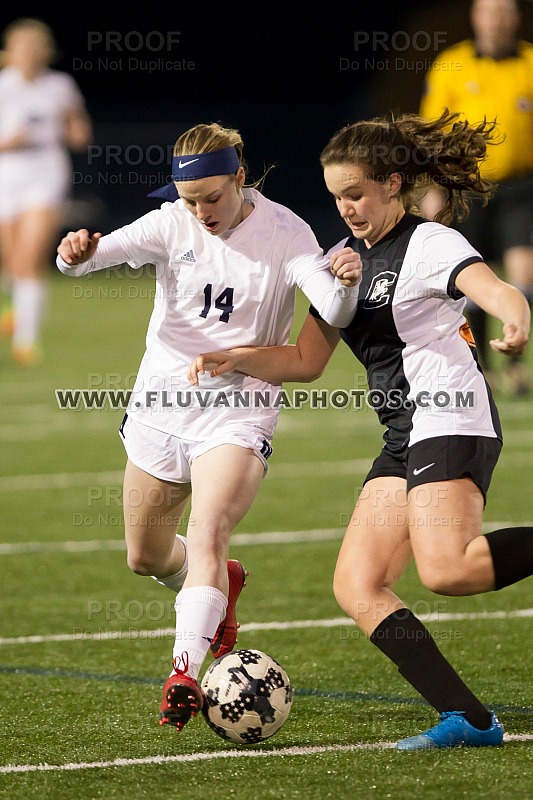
454 730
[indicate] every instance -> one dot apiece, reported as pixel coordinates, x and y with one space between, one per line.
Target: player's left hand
347 266
514 340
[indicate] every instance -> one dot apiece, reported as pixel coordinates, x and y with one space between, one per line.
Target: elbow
339 315
338 319
311 373
315 375
73 271
79 144
63 267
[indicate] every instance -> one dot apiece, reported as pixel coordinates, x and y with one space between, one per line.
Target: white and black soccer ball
247 696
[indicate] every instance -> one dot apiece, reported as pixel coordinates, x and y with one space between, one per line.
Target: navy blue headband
201 165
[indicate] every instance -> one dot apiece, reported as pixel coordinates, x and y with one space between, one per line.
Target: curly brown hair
446 152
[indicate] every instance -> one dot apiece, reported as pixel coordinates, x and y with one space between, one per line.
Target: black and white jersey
410 334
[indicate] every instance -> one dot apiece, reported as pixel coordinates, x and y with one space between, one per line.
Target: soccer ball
247 696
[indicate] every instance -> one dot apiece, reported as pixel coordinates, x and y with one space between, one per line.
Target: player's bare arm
502 301
18 141
304 361
78 130
78 246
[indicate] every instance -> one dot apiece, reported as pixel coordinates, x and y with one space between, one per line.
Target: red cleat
226 633
182 697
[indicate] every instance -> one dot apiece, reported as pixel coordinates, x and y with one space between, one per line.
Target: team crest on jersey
380 291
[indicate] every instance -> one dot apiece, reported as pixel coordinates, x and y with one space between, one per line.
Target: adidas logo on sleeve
188 256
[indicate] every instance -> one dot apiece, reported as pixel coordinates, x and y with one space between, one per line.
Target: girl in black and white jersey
425 493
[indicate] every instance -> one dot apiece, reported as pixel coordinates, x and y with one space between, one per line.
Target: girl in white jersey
42 117
425 493
228 262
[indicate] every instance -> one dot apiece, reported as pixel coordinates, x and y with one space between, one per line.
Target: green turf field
85 645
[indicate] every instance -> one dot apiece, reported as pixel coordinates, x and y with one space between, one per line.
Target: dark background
276 72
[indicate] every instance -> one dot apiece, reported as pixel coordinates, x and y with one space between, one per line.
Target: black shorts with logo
441 458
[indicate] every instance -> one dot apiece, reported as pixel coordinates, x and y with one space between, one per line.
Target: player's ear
240 177
395 184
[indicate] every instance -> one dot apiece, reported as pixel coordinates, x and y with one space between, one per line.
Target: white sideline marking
66 480
270 537
86 546
59 480
158 633
192 757
356 466
237 539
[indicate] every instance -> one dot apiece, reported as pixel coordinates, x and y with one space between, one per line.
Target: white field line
335 622
356 466
238 539
46 429
60 480
91 545
66 480
86 546
49 425
222 754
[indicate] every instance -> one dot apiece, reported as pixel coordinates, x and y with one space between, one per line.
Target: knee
208 539
142 564
213 530
442 579
349 593
340 592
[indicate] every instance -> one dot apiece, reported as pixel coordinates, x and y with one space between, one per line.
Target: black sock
512 555
402 638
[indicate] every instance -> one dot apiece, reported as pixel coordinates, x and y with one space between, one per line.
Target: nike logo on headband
218 162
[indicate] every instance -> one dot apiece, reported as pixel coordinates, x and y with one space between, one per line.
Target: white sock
29 297
176 581
199 612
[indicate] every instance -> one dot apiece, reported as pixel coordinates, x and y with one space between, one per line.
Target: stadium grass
90 700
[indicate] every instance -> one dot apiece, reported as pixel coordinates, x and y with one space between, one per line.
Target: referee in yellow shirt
491 75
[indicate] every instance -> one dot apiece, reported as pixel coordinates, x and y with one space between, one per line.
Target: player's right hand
515 339
78 246
216 363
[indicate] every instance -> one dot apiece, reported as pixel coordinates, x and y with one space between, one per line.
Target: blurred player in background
228 262
425 492
42 117
491 75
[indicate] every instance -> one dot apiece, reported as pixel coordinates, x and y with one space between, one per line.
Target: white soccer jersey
213 293
36 107
410 333
38 174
